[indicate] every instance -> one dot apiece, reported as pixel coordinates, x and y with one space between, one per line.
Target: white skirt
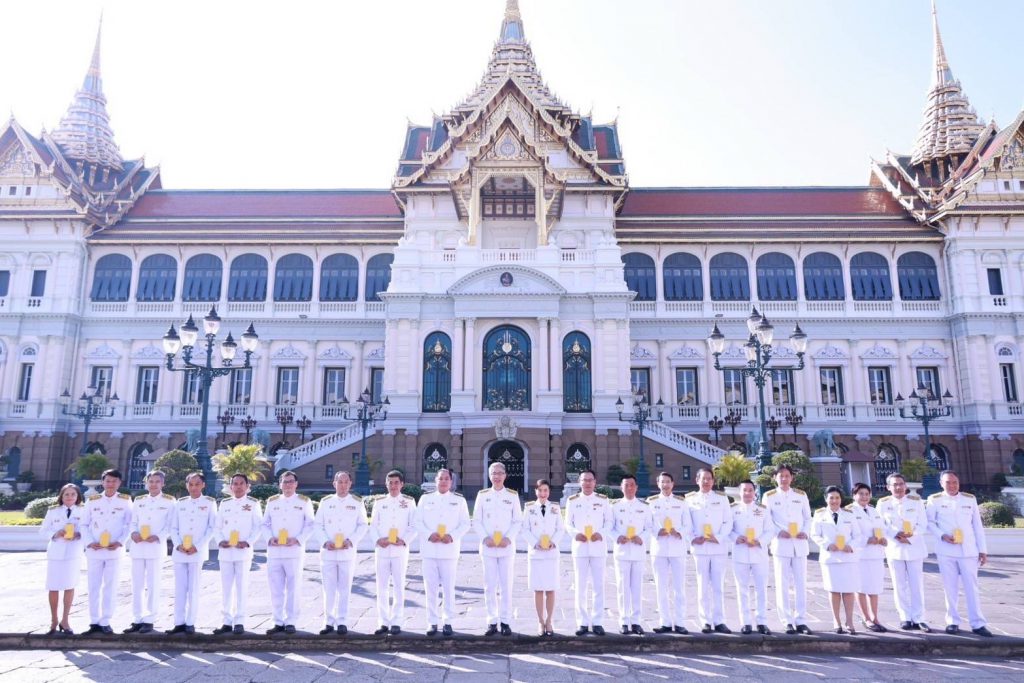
62 575
542 571
841 577
872 576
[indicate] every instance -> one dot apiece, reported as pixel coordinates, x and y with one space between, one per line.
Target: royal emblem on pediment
103 351
641 353
1013 157
288 353
376 354
879 352
14 162
831 352
507 148
780 352
505 427
147 352
686 353
335 353
925 352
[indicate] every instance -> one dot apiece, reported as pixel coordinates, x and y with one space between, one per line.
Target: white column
555 347
356 383
542 355
469 366
858 392
458 354
664 380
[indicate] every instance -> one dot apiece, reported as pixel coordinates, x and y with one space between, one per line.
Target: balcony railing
789 309
182 309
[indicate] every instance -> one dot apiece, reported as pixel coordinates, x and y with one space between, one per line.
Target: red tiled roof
744 201
161 204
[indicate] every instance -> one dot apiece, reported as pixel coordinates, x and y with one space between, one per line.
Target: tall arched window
248 278
112 278
869 277
158 275
437 373
339 278
576 373
435 457
293 278
137 465
203 275
823 277
918 277
378 275
577 459
681 278
887 461
730 280
639 269
776 277
506 369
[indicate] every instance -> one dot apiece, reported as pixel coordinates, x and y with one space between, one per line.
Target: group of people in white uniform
855 543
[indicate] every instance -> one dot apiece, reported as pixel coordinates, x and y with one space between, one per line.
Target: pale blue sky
316 94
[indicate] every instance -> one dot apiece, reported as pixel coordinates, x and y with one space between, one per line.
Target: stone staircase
318 448
684 443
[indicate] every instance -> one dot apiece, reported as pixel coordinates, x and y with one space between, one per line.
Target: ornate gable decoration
335 353
506 281
641 353
376 354
686 353
288 353
783 353
928 353
879 352
1013 156
15 163
831 353
149 352
103 352
734 354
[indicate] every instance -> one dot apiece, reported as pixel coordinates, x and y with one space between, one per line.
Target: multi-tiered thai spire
951 126
84 134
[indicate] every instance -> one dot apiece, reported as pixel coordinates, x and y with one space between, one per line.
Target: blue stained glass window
639 272
776 277
158 276
823 277
293 278
339 278
918 277
112 278
437 373
203 275
5 281
730 280
248 278
506 369
378 275
576 383
681 277
869 277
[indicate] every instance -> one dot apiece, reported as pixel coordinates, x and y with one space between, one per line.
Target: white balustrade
324 445
695 448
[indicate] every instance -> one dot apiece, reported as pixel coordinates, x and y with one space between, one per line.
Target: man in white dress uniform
442 519
392 522
497 520
151 513
791 515
668 554
752 531
193 523
287 524
239 523
588 519
341 524
630 529
906 523
711 517
105 528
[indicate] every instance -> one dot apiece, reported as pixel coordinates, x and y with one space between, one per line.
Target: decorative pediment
506 280
641 353
684 353
508 147
376 354
733 353
1012 157
879 352
928 353
103 352
149 352
831 353
14 162
288 353
335 353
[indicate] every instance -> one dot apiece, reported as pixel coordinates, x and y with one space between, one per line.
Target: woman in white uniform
838 537
62 526
543 530
872 556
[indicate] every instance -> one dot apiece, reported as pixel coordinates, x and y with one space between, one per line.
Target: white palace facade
511 286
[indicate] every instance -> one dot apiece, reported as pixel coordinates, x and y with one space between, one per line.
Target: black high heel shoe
66 630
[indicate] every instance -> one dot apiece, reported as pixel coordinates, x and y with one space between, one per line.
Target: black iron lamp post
367 412
284 418
225 419
794 420
732 419
925 407
758 350
773 424
715 424
303 423
91 405
206 370
248 424
643 414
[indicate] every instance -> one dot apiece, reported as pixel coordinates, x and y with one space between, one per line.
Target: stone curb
862 644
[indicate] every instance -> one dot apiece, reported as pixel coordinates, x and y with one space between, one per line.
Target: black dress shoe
190 630
107 631
133 628
492 630
625 631
637 629
238 629
924 627
447 631
707 629
326 630
506 630
681 630
982 631
289 629
840 630
145 627
223 630
907 625
662 629
93 630
278 628
395 630
382 631
763 630
722 628
179 628
342 630
599 630
747 630
432 631
802 628
582 630
790 630
952 629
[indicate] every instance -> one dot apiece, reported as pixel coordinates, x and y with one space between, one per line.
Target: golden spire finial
512 9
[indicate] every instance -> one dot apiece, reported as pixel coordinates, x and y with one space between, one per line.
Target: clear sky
309 94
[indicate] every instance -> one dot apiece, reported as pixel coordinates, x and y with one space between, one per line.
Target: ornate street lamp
733 418
925 407
225 419
248 424
758 350
643 413
794 420
284 418
368 413
303 423
91 405
715 424
206 370
773 424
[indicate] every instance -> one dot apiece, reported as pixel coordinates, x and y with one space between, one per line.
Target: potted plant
24 481
1016 477
244 459
733 468
915 470
88 468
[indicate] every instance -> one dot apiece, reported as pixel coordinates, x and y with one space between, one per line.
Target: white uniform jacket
549 524
826 532
594 511
909 509
110 514
345 516
672 508
434 510
243 515
196 518
710 512
393 512
787 508
497 511
57 519
154 512
635 514
946 515
292 513
756 517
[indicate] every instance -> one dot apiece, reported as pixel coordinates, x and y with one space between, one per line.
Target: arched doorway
887 461
512 455
137 465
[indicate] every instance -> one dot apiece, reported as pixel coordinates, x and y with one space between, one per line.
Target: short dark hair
666 474
587 471
786 467
65 487
895 475
626 476
239 474
156 473
396 473
949 472
747 481
285 474
542 482
197 473
833 489
704 469
112 472
861 485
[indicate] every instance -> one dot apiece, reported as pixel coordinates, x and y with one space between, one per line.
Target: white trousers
439 575
710 588
908 588
103 576
791 573
629 574
186 592
284 573
954 571
745 572
589 570
670 584
145 589
234 587
498 579
337 577
391 589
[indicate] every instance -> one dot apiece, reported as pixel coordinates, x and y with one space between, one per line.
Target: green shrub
803 478
612 492
90 466
615 475
18 501
733 468
916 469
414 490
176 465
263 491
38 507
996 515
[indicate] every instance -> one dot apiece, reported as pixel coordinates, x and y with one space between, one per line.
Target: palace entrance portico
512 455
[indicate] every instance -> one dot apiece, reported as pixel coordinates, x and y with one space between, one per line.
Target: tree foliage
803 473
176 465
244 459
733 468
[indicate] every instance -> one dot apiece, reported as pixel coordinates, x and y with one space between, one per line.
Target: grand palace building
510 287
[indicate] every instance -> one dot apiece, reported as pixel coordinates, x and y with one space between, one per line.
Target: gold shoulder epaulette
935 495
512 491
141 495
884 498
763 507
125 496
274 497
734 505
355 496
95 496
210 498
691 494
575 496
820 511
969 495
601 495
458 494
721 494
913 496
642 501
771 493
54 506
800 491
486 490
329 495
183 498
252 499
302 497
849 507
532 502
167 496
405 495
678 497
654 497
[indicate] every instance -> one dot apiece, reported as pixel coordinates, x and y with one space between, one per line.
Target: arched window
887 461
1017 467
13 467
158 276
776 277
437 373
681 278
137 465
378 275
577 459
339 278
506 369
639 269
576 373
112 278
918 277
939 457
435 457
203 275
248 278
823 277
293 278
869 277
729 278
